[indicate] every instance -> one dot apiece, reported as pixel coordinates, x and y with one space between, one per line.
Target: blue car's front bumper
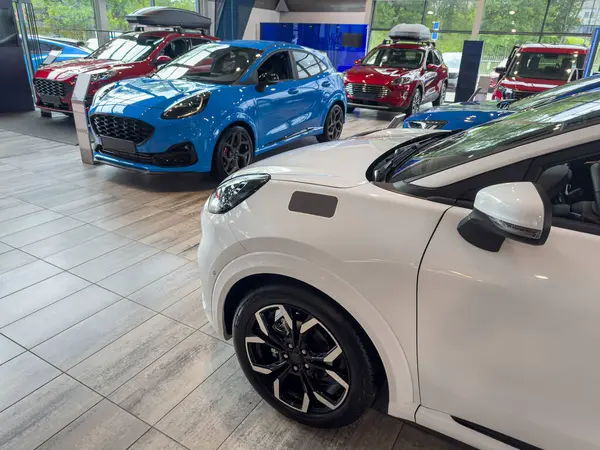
163 151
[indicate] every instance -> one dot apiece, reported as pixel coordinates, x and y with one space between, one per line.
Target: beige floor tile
39 232
73 195
21 376
113 262
115 222
157 389
115 364
183 246
9 202
188 310
155 440
104 427
51 320
17 211
38 416
24 276
41 194
169 289
171 236
139 275
208 329
63 241
5 248
8 349
87 337
26 301
206 417
111 209
413 438
191 253
88 250
150 225
87 202
14 258
28 221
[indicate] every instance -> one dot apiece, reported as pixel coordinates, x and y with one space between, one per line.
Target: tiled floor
103 342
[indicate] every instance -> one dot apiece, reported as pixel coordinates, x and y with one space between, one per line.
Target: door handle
293 91
326 84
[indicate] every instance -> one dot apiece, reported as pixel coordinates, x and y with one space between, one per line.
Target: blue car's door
314 85
280 105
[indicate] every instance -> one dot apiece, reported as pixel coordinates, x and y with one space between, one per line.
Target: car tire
350 109
234 151
334 124
332 330
415 103
46 114
442 97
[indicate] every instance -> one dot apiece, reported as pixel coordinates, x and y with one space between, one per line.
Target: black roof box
164 16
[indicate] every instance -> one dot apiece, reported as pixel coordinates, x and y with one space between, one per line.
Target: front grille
50 87
368 91
180 155
123 128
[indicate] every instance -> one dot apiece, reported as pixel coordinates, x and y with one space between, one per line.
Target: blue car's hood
154 93
488 105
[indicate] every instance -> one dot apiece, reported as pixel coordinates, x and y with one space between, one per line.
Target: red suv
539 67
130 55
397 76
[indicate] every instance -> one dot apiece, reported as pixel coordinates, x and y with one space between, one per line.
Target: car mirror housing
266 80
432 67
500 70
357 61
162 59
518 211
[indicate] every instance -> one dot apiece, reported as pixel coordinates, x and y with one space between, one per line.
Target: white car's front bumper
217 248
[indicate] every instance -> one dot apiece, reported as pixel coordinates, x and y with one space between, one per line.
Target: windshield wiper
401 154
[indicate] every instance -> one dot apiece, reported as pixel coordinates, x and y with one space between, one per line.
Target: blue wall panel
233 18
342 43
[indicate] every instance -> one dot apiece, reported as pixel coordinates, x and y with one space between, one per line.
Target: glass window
211 63
451 14
116 11
497 136
183 4
394 57
195 42
128 47
176 48
567 16
546 66
515 17
430 58
278 64
65 18
387 13
306 65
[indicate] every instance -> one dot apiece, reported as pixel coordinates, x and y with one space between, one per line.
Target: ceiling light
513 30
430 12
512 13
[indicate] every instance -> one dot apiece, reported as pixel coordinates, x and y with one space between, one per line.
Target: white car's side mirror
518 211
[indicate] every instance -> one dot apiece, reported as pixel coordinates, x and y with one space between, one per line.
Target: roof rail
408 41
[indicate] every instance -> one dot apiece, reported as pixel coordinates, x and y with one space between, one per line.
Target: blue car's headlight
426 124
234 191
102 92
187 107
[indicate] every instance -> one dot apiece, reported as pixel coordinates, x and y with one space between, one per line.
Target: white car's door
509 341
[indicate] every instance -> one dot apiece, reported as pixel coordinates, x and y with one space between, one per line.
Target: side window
430 57
306 65
279 64
195 42
437 58
176 48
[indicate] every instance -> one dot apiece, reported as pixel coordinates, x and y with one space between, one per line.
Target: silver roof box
410 32
164 16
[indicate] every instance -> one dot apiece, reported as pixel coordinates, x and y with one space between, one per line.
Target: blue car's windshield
211 63
498 136
552 94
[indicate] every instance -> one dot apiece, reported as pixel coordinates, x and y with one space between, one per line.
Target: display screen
8 29
352 40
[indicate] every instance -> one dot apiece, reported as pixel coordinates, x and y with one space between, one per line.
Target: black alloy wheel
235 150
334 124
302 356
442 97
415 104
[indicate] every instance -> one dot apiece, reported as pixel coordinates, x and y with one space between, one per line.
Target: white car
452 274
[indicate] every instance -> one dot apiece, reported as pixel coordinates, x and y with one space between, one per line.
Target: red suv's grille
49 87
366 91
121 128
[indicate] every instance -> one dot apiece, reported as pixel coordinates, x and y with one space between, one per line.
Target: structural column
478 19
101 19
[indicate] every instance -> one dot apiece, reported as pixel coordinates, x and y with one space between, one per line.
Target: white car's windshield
128 48
551 94
497 136
211 63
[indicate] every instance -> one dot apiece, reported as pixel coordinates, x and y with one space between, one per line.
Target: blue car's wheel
334 125
234 151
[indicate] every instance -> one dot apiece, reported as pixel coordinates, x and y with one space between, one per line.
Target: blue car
69 49
217 107
461 116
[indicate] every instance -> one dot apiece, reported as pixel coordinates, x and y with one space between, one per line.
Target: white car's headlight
427 124
102 92
234 191
404 79
103 76
187 107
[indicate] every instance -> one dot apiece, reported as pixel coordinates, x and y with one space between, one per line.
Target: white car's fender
401 390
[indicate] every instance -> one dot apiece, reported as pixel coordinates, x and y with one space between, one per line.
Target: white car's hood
339 164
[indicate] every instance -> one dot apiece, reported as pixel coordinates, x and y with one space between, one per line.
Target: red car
131 55
397 76
539 67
